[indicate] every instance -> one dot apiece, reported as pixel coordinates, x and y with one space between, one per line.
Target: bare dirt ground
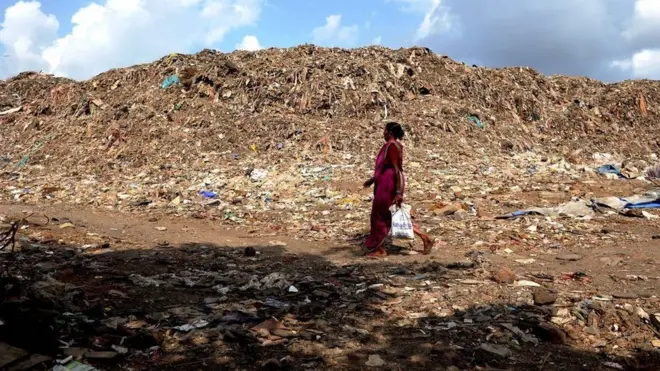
120 286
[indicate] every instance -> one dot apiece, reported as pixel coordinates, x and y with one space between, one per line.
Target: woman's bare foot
377 253
428 245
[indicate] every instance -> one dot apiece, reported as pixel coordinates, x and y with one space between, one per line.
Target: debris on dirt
504 275
544 297
569 257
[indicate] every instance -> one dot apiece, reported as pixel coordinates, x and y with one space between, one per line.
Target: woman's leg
428 241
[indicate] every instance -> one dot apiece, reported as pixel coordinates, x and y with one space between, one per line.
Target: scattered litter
525 283
208 194
199 323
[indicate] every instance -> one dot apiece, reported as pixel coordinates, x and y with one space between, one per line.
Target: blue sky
293 20
605 39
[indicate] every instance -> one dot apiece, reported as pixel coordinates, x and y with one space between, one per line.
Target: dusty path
148 274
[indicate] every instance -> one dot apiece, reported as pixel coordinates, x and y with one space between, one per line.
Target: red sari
385 192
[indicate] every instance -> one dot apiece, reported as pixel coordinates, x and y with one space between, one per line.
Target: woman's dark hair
395 130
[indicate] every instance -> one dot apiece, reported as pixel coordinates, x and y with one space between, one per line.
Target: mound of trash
189 123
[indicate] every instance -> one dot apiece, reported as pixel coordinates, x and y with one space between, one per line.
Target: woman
389 185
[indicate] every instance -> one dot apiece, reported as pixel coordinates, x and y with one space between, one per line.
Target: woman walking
389 186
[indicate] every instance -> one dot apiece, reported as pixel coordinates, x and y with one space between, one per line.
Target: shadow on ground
206 307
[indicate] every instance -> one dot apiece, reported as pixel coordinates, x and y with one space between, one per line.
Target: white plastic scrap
258 175
198 323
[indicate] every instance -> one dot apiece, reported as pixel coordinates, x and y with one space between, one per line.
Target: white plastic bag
402 227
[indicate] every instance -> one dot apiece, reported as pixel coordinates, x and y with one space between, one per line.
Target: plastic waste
208 194
169 81
199 323
610 169
258 175
402 227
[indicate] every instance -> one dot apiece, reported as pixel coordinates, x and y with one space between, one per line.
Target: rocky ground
216 223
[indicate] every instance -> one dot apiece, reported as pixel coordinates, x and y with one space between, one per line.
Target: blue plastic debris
208 194
610 169
169 81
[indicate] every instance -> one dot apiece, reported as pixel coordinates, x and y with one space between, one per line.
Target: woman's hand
398 200
369 183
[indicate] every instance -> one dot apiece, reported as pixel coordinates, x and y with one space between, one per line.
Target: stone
460 215
569 257
449 209
592 319
544 297
592 330
625 295
496 349
375 361
504 275
550 333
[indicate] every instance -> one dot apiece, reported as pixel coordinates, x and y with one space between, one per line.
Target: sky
610 40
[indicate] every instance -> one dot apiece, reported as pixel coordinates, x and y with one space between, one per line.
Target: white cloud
377 40
551 36
643 64
436 17
249 43
23 33
416 6
118 33
333 33
645 21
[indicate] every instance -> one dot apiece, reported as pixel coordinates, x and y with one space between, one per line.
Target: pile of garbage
230 136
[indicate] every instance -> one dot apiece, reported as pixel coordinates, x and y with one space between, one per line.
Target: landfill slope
226 102
122 138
